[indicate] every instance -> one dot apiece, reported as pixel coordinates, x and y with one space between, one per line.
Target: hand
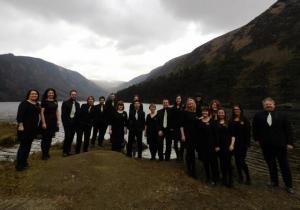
44 126
217 149
231 147
145 134
110 131
290 147
160 133
183 138
57 123
20 127
125 131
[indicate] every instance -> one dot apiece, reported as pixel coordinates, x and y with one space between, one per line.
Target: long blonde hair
194 105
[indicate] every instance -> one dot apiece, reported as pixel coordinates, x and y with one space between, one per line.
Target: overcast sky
117 39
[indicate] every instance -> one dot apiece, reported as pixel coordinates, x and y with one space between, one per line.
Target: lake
8 112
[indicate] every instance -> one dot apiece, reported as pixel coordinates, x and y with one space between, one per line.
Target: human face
50 94
90 101
178 100
205 113
269 105
152 109
136 98
198 98
73 95
137 105
214 106
33 96
221 114
120 107
165 104
101 101
112 97
190 104
237 111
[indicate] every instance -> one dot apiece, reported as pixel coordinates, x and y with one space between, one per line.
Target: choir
193 128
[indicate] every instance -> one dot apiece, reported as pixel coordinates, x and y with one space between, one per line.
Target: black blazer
100 117
279 134
84 116
131 108
139 124
66 110
160 119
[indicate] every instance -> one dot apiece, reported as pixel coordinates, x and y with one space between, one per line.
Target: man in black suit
69 109
273 131
100 122
136 125
165 129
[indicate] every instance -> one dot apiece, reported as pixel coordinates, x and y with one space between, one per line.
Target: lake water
8 112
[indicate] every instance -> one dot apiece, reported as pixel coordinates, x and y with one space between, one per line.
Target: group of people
193 128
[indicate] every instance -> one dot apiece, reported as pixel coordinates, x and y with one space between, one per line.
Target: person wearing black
225 147
136 125
100 122
151 131
214 107
165 129
85 118
49 120
177 110
208 146
241 132
274 133
111 105
118 127
69 109
131 106
28 117
199 104
188 135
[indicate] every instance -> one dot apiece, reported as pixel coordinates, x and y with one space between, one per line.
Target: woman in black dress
28 118
188 135
85 119
225 144
49 120
118 127
240 127
177 110
213 108
151 131
208 146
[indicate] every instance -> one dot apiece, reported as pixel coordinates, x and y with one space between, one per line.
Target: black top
28 114
199 107
177 113
160 119
119 121
110 107
241 130
223 135
66 110
100 115
85 116
151 123
189 124
136 124
50 110
131 108
206 134
279 134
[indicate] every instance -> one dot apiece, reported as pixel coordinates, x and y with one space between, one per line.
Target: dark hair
136 95
206 108
175 104
45 95
101 97
90 97
226 119
73 90
152 104
29 91
215 101
120 103
232 111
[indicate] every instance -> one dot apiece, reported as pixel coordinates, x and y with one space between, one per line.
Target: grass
8 134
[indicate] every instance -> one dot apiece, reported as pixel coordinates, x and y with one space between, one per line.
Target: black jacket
84 116
160 119
279 134
100 117
136 124
66 110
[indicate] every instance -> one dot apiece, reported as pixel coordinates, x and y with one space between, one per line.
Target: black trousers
153 144
273 154
101 129
190 159
46 142
226 167
135 135
167 134
86 132
70 130
24 149
210 164
240 162
177 140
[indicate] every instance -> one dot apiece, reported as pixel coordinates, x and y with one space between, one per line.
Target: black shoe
65 155
212 184
19 168
290 190
272 184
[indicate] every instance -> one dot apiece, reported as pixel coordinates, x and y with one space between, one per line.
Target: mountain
18 74
109 86
257 60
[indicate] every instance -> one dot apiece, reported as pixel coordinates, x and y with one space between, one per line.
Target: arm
288 133
248 132
20 116
44 126
182 134
231 146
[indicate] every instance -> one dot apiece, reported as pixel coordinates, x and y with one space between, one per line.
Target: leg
139 137
244 165
87 134
131 137
237 158
102 131
94 136
160 147
79 141
168 145
284 167
271 162
190 161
